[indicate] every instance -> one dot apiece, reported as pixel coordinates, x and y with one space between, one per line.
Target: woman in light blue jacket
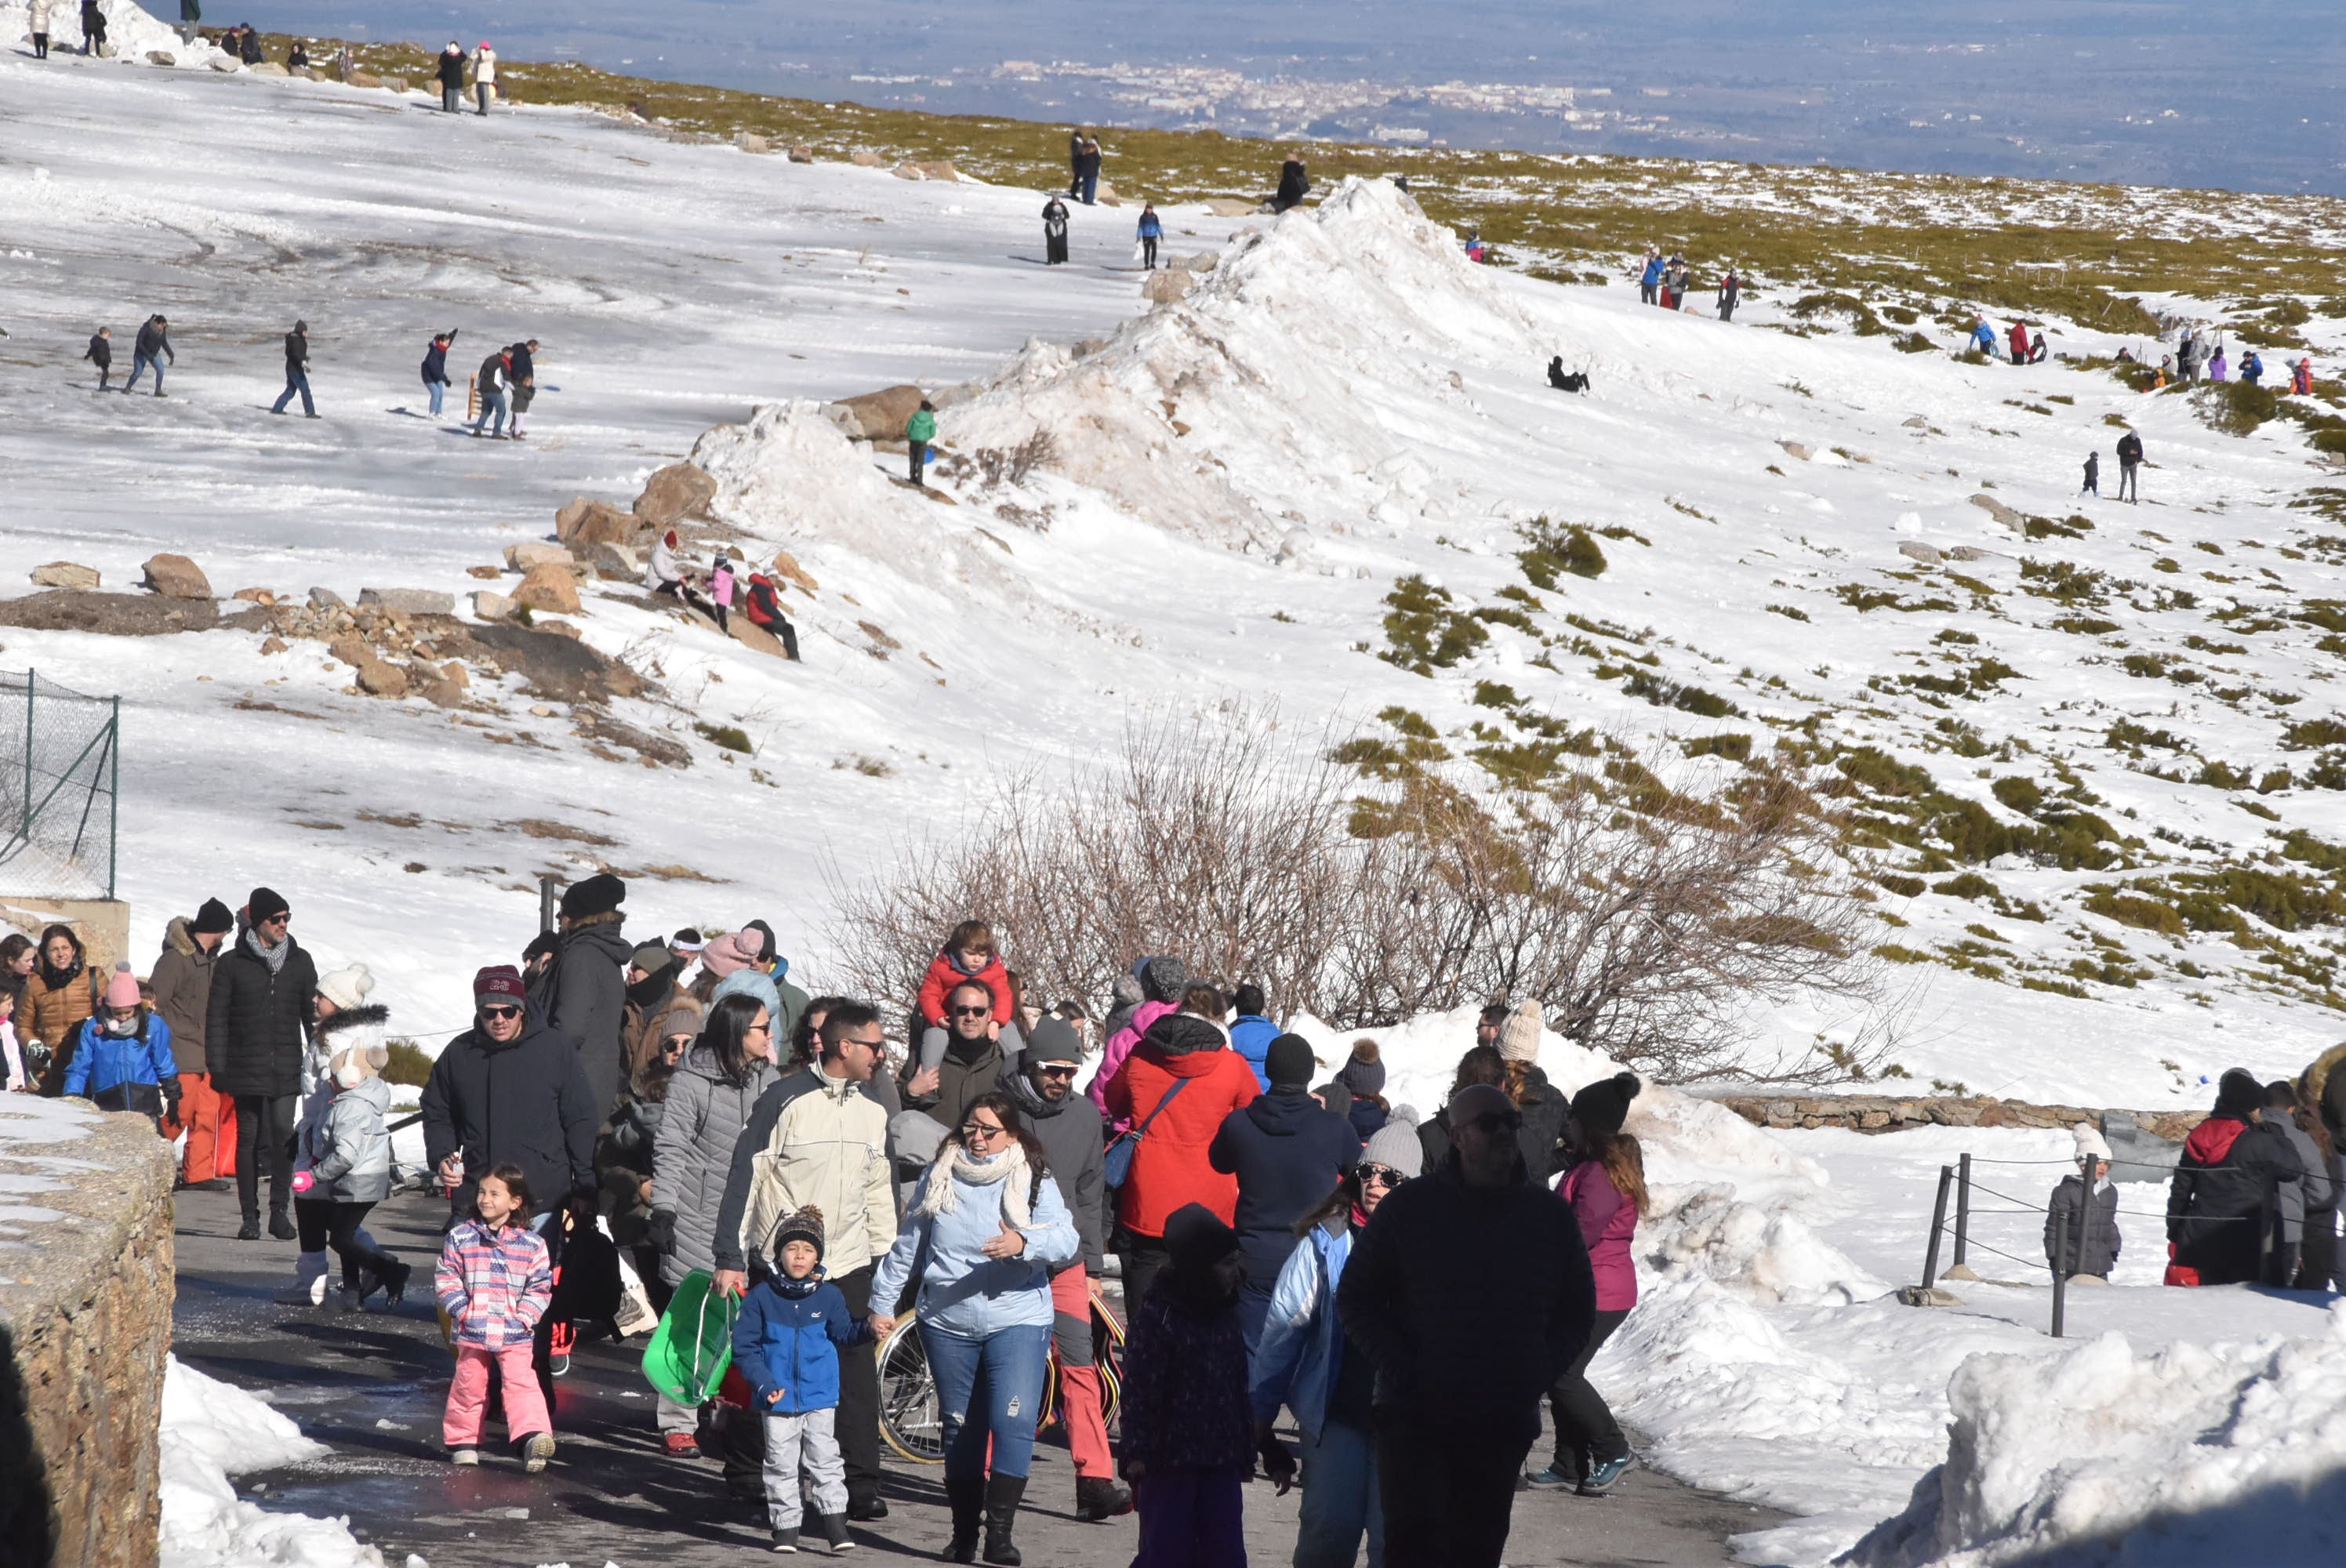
987 1225
1303 1360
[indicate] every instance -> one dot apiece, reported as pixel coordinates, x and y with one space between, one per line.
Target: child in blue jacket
122 1058
786 1344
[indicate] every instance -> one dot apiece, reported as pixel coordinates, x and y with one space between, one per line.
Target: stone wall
85 1321
1890 1114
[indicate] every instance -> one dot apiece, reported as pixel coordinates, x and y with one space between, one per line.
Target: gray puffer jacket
2088 1226
692 1152
347 1148
2314 1193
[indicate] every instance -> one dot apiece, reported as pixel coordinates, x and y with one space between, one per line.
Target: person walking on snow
583 993
2093 473
93 28
435 367
450 69
1605 1187
787 1343
2129 459
492 382
1075 163
343 1163
494 1282
297 371
1730 288
1150 232
191 16
520 362
508 1091
2082 1216
720 589
36 16
1650 278
100 353
1054 231
2019 342
484 75
919 431
152 348
1088 169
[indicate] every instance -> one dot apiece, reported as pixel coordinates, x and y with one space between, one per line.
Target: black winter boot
1002 1495
1099 1497
968 1500
834 1530
281 1226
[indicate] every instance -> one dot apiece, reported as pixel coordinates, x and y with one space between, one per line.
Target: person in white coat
38 23
342 1164
484 75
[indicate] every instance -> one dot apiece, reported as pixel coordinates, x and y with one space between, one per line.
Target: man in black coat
521 370
509 1091
2129 459
152 347
256 1026
297 371
583 993
1469 1291
450 70
1042 1084
100 353
2223 1207
1288 1153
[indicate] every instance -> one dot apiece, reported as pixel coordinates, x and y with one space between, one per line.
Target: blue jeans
139 362
435 389
988 1388
1339 1499
1091 188
295 381
492 403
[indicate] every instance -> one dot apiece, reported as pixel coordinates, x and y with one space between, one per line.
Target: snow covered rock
177 577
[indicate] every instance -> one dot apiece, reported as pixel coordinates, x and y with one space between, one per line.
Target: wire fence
58 797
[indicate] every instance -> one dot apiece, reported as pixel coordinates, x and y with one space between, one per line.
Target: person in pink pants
494 1283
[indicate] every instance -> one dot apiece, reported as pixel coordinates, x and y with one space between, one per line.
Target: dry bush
996 466
1647 933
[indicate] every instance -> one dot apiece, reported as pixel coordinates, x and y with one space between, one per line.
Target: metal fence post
29 678
2060 1266
1938 1226
113 801
545 901
1963 1209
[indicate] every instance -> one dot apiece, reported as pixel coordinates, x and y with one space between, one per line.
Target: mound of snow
212 1431
2192 1454
130 32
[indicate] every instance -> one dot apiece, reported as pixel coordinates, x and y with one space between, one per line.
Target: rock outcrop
177 577
673 494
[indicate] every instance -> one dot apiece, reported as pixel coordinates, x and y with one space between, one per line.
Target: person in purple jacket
1605 1183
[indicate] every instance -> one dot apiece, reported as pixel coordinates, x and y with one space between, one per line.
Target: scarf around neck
274 957
943 1198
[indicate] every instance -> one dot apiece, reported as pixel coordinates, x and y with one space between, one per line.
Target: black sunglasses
1385 1173
500 1011
1498 1121
971 1012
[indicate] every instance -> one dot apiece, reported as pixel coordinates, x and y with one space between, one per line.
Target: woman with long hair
989 1224
1605 1183
710 1099
60 994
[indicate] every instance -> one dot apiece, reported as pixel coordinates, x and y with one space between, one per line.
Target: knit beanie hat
2238 1094
1053 1041
1395 1146
1126 991
1197 1239
726 953
122 991
215 916
1519 1035
806 1225
265 903
499 983
1604 1106
767 947
751 983
1163 979
1288 1059
598 895
347 988
1335 1097
2091 1144
1365 1074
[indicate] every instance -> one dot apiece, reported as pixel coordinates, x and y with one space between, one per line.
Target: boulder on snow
225 65
786 567
1916 550
361 79
1105 195
1970 552
801 153
533 553
256 595
394 83
1997 510
1164 287
489 605
1795 449
751 141
865 158
410 600
1203 261
679 491
551 588
108 614
376 678
938 168
267 68
615 563
1225 206
64 575
161 58
586 523
741 630
908 169
878 415
177 577
327 599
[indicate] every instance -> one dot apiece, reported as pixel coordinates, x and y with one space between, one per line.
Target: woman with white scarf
988 1224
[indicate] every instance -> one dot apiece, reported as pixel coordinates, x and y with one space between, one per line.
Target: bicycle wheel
910 1417
1107 1355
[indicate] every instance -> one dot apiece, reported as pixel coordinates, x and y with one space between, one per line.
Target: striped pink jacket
493 1284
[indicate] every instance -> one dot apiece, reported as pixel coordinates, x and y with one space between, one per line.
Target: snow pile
2190 1454
212 1431
130 32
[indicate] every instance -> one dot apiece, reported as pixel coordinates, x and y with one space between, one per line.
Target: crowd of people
680 1106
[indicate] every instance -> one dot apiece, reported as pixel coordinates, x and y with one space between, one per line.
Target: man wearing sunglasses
977 1050
1042 1084
257 1023
509 1089
1470 1293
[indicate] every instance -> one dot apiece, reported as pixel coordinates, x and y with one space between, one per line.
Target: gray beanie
1396 1145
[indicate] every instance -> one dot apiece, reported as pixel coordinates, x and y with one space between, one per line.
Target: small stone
750 142
361 79
492 606
353 651
266 68
1970 552
1795 449
377 678
273 645
540 710
1914 550
64 575
786 567
486 573
161 58
538 552
560 629
327 599
550 588
256 595
1916 421
865 158
801 153
394 83
1997 510
176 578
410 600
907 170
455 673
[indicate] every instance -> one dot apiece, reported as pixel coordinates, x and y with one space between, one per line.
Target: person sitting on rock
763 605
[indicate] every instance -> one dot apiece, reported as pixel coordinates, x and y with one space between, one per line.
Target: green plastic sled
694 1342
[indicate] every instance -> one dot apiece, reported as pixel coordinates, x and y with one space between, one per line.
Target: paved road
371 1387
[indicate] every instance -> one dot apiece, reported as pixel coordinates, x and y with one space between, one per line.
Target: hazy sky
2244 96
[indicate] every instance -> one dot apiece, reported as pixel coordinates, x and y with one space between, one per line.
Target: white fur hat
347 988
2091 1144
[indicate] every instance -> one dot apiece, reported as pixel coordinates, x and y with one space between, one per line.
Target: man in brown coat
183 989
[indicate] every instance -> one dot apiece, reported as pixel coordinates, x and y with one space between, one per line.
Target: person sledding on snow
2081 1220
2223 1208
